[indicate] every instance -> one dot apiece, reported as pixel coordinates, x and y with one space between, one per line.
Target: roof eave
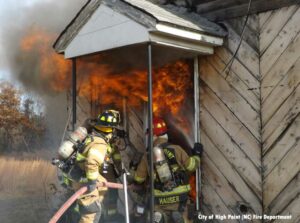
190 34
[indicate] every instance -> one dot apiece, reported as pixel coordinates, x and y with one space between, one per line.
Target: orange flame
52 67
99 83
170 85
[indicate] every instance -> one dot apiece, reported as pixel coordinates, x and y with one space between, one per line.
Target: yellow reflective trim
197 158
169 200
80 157
169 154
117 156
67 178
112 211
92 175
109 119
174 167
97 154
88 140
83 180
192 164
102 118
139 179
176 191
110 149
66 181
76 208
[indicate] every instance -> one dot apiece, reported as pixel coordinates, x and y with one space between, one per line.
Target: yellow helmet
108 120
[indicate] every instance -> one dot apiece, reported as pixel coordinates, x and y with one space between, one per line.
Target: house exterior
249 96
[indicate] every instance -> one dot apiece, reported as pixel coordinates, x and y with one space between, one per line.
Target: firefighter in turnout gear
171 168
91 164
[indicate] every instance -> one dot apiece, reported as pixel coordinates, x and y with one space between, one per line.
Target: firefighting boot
177 217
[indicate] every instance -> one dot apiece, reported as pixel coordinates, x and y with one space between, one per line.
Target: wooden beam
218 4
234 9
74 92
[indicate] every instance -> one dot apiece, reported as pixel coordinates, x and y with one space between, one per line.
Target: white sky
12 9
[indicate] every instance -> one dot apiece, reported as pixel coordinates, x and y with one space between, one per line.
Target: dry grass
26 177
28 191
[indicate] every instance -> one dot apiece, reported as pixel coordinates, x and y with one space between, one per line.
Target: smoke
20 19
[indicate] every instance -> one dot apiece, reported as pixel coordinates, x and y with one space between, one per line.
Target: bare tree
17 126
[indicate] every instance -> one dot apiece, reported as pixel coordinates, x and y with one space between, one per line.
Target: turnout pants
90 206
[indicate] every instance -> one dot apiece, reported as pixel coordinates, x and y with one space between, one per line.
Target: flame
52 67
170 86
99 83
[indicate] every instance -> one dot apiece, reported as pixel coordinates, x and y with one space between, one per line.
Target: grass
26 177
28 189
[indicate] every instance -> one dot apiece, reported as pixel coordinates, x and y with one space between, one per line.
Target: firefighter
91 164
114 203
171 168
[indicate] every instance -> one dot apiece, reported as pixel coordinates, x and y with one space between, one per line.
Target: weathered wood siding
224 9
91 109
84 110
250 117
280 92
230 124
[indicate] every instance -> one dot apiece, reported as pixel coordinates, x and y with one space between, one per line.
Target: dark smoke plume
20 19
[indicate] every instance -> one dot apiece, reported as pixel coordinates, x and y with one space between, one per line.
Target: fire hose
78 193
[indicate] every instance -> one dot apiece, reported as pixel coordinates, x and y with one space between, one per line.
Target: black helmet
108 120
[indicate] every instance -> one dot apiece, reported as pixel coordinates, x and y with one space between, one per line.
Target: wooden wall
230 124
224 9
250 117
280 93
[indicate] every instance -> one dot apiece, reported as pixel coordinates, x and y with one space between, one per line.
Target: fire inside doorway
106 79
115 80
143 58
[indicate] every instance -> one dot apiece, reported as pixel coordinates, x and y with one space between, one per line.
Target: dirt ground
24 210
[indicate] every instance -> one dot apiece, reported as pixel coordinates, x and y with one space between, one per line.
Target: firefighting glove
91 185
197 149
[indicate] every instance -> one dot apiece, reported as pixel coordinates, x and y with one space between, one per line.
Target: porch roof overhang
109 24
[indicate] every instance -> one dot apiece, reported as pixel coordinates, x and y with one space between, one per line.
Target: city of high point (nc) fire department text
223 217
